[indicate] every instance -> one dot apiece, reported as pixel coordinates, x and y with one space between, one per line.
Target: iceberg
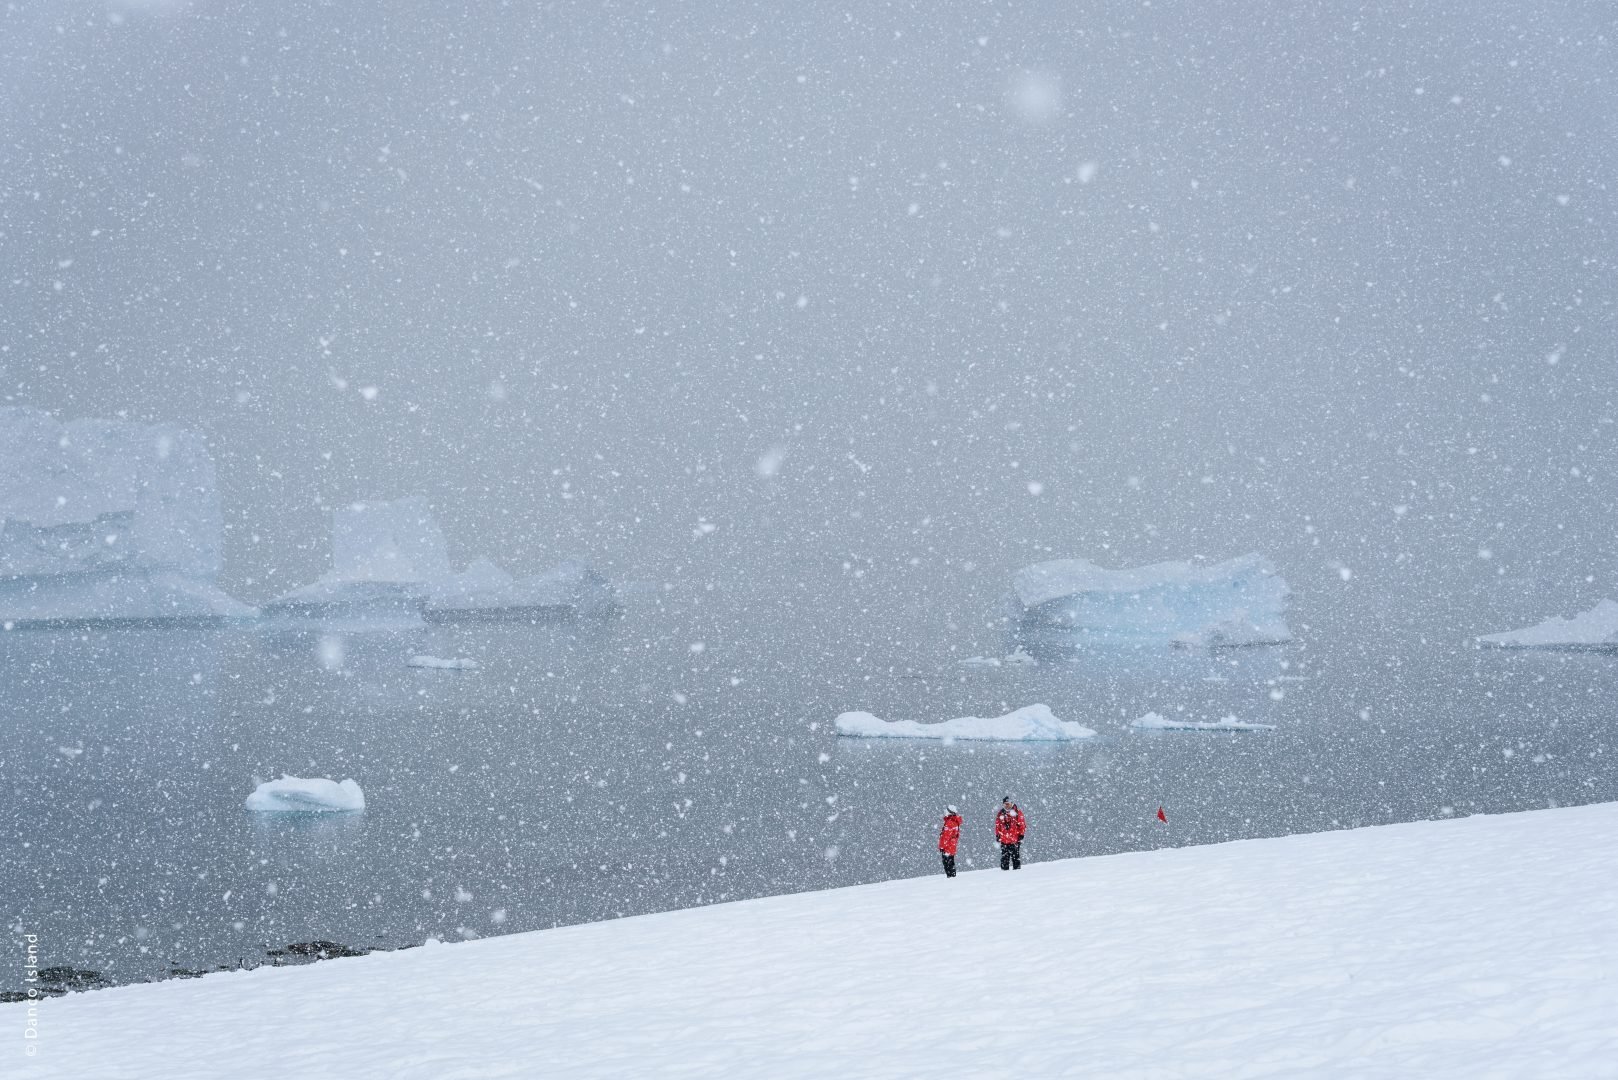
385 557
1593 629
439 663
295 795
1018 658
1154 722
484 592
107 521
1031 723
390 570
1071 603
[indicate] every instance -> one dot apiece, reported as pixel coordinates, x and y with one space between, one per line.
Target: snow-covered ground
1480 947
1031 723
1593 629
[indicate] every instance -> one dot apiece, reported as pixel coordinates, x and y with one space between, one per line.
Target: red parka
1010 825
951 835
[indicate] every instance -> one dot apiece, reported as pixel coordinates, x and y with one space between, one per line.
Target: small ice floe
1020 659
439 663
295 795
1154 722
980 661
1593 629
1031 723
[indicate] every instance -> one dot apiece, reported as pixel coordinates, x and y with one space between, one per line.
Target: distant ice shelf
107 522
1593 629
1071 603
294 794
1032 723
1155 722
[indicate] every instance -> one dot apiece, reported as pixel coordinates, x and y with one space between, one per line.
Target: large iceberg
1071 603
390 570
1593 629
1031 723
107 521
385 558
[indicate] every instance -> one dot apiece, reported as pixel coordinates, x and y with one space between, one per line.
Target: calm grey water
595 771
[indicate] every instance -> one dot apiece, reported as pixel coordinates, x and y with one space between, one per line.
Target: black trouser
949 865
1011 856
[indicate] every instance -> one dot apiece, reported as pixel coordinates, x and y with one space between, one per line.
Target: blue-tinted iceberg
107 521
1071 603
1593 629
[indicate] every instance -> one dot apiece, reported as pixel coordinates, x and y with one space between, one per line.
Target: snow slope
1479 947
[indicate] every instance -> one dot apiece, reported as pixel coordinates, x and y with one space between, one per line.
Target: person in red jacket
949 838
1009 828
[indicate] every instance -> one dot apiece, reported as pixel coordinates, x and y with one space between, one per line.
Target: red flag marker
1164 818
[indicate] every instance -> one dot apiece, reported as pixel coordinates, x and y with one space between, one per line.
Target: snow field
1479 947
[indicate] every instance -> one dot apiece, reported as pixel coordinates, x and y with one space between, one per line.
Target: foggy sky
894 297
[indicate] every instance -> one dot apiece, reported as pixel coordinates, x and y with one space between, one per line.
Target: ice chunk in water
1031 723
294 794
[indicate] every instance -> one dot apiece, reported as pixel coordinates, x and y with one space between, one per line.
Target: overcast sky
882 300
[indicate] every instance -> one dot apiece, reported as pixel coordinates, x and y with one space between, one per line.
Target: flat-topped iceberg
1593 629
1071 603
107 521
391 570
296 795
1155 722
1031 723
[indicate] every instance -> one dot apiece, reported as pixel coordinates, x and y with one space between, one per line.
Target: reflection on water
595 770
